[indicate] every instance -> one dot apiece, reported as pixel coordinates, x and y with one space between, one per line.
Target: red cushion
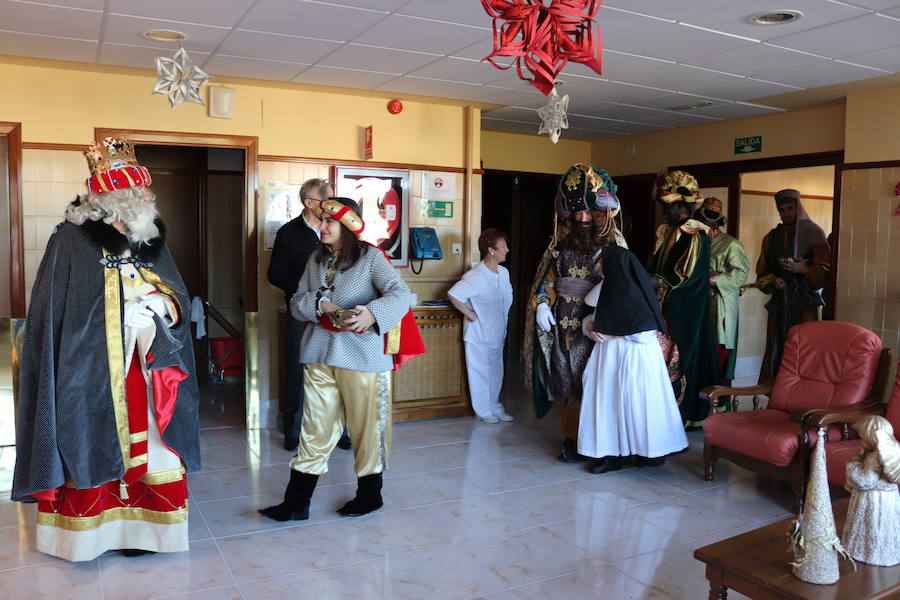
892 413
836 456
826 364
768 435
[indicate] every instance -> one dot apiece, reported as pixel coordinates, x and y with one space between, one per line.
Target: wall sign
441 209
748 145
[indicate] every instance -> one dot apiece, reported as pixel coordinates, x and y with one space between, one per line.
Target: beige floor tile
479 516
18 548
613 535
409 491
339 583
280 552
523 473
603 581
445 573
688 517
164 574
59 581
384 533
624 489
233 483
229 592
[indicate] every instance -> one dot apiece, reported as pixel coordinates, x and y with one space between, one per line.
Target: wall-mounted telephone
424 243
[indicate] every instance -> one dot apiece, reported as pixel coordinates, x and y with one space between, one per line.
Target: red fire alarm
395 107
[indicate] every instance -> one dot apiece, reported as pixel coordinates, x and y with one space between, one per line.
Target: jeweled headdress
114 166
679 186
585 187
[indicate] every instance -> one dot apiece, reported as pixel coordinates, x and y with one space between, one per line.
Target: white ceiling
657 53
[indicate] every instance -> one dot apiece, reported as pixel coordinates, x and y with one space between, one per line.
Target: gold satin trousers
335 397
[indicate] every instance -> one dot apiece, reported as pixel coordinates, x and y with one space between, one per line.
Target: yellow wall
873 126
532 153
63 102
784 134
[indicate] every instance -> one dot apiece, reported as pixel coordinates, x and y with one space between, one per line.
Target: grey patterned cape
66 427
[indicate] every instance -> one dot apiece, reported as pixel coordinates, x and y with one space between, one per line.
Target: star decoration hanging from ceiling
180 79
553 115
543 36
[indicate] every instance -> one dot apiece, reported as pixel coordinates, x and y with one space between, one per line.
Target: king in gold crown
114 166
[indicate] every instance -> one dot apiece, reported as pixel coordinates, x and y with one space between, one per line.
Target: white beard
135 207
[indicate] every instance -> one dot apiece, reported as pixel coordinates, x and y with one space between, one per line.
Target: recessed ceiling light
164 35
776 17
692 105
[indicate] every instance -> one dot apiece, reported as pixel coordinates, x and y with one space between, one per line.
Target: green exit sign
748 145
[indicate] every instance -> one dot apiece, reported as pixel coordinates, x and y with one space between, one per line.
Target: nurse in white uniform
484 296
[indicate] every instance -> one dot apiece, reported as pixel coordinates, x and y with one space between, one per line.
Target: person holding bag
354 297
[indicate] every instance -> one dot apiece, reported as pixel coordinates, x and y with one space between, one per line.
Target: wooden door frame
13 134
733 169
250 145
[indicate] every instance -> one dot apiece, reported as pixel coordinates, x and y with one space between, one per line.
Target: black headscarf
627 302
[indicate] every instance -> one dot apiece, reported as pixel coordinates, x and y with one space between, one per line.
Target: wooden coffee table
757 564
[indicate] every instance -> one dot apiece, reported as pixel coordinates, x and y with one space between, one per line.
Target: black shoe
291 445
568 451
136 552
643 461
296 499
344 442
368 497
607 463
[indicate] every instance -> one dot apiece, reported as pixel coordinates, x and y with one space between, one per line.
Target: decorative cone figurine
815 541
872 530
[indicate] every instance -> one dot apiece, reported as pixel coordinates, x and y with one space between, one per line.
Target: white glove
155 303
587 325
137 316
544 317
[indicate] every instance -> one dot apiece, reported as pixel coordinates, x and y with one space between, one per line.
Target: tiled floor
471 511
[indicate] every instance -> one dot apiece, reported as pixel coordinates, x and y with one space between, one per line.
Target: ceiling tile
667 9
236 66
682 119
735 110
39 46
478 50
355 56
635 128
700 82
888 59
205 12
678 43
466 13
822 73
410 33
855 36
617 65
50 20
515 113
735 18
338 77
623 112
894 11
752 59
617 24
143 57
317 20
121 29
425 87
275 46
586 122
669 100
373 4
460 69
878 4
508 96
89 4
597 92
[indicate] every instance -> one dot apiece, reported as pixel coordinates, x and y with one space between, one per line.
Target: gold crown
111 153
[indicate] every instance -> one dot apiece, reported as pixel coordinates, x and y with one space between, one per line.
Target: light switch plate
457 248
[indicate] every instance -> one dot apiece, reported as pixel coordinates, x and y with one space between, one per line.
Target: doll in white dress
872 530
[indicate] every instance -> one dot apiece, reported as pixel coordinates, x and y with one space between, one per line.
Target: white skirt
628 407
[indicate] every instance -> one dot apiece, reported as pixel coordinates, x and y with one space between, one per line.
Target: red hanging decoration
544 37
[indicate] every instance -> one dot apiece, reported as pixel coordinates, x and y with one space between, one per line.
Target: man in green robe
728 271
681 263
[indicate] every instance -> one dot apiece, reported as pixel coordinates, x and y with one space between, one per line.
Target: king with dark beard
555 350
107 416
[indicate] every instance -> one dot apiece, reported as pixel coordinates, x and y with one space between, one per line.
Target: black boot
136 552
607 463
344 442
296 499
568 451
368 497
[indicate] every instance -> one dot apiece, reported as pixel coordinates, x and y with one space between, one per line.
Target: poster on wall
282 204
438 186
383 195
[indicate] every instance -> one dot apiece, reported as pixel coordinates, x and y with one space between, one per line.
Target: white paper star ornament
179 79
553 115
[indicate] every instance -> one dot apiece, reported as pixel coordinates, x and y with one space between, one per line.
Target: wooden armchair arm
813 419
713 392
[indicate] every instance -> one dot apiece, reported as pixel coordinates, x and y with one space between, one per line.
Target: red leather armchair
837 453
826 365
